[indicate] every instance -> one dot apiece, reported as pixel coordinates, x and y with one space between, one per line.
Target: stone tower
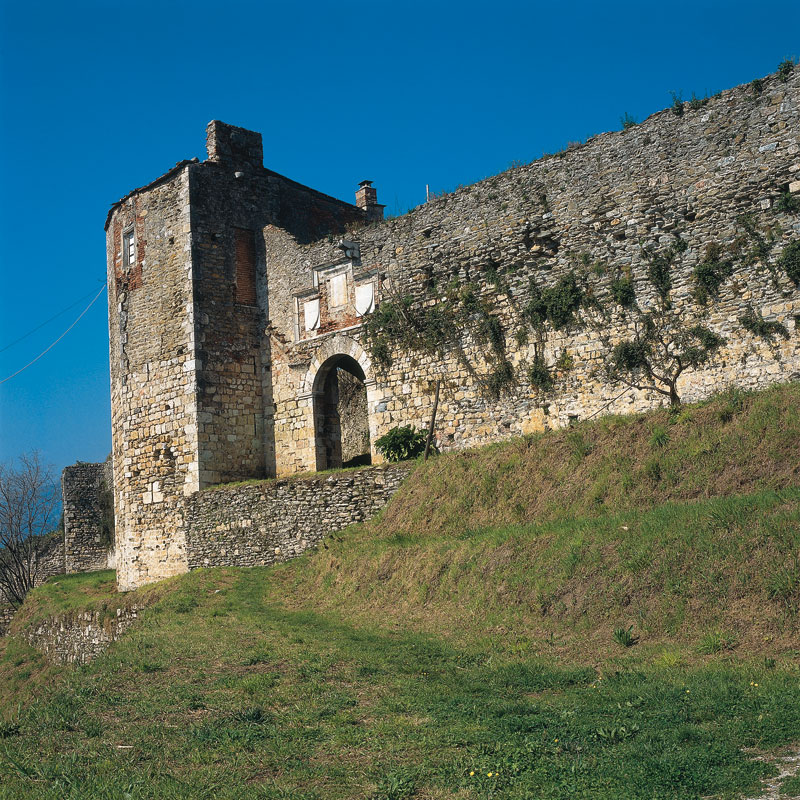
191 386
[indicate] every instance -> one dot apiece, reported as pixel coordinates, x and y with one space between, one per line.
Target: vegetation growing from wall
660 262
790 262
461 312
662 349
710 273
665 345
623 291
766 329
558 305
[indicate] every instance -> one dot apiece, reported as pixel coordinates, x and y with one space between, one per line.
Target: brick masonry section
261 523
84 547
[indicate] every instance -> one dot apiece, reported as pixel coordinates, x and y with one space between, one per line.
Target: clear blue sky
98 98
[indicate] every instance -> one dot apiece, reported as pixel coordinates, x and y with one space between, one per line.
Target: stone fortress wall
247 291
591 211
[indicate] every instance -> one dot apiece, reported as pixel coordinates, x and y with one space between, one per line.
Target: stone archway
342 396
341 416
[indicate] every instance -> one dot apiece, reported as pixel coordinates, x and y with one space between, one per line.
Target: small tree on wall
664 344
28 499
438 330
661 350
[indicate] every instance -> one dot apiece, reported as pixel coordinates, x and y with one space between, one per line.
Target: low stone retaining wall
261 523
80 638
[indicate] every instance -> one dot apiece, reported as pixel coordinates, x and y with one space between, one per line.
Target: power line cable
38 327
80 316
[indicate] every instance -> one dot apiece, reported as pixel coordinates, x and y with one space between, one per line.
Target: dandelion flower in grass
472 773
488 774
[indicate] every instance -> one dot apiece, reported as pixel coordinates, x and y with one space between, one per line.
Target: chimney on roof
236 147
367 199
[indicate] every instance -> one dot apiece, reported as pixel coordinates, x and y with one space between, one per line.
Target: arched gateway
341 390
341 415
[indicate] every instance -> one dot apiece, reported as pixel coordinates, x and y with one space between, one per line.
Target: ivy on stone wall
752 246
623 291
439 327
663 347
766 329
660 263
710 273
540 376
790 261
557 304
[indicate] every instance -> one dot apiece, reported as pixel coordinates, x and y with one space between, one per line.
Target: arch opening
341 414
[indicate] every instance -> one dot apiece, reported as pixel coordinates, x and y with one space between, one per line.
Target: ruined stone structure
87 544
237 301
78 638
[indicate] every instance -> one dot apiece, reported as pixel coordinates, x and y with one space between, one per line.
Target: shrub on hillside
401 443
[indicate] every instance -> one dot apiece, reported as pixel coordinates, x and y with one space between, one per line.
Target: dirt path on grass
788 766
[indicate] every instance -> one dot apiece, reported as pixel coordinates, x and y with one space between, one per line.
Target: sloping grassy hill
733 444
463 645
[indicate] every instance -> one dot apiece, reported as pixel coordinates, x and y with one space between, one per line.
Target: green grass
297 476
791 787
679 569
242 697
736 443
478 652
68 595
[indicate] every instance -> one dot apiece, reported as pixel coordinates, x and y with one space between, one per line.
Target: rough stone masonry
86 547
237 296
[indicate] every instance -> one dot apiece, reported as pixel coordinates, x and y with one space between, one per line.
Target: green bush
787 203
557 304
539 375
623 292
677 104
711 272
785 69
758 326
790 261
402 443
